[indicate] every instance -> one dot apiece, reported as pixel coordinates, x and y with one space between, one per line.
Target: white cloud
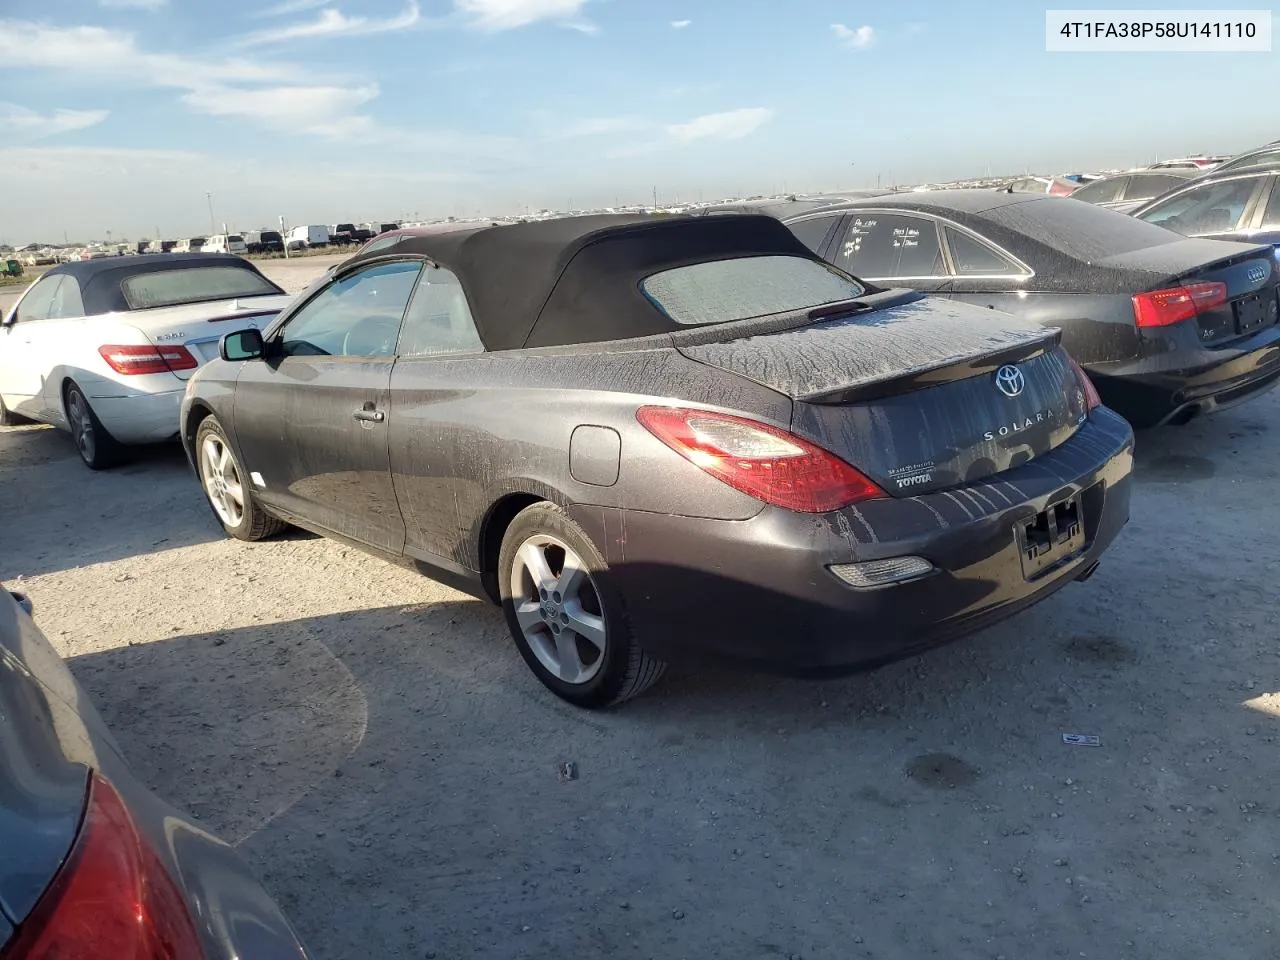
276 94
680 24
324 110
290 6
21 123
857 39
132 4
730 125
332 23
494 15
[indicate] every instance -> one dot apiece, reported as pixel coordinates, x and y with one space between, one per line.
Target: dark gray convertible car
649 437
93 865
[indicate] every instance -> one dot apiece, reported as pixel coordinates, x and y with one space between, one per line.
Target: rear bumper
760 590
139 418
1173 387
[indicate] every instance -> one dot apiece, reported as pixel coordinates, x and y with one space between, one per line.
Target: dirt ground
381 755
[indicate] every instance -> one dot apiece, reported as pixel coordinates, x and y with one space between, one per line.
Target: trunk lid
200 326
921 395
1250 273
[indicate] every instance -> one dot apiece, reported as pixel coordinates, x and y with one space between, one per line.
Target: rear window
721 291
1101 191
167 288
1079 229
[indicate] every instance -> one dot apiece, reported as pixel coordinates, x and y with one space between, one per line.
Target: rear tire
97 447
222 477
552 579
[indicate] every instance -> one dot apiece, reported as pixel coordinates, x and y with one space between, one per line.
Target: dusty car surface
649 437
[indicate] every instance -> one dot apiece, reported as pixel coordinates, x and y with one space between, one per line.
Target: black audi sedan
1167 327
92 864
650 437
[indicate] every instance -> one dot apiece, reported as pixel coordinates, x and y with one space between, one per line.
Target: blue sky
123 114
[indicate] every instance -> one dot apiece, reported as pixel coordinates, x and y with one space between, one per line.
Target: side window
973 258
438 320
890 246
1151 185
67 302
812 232
357 316
1101 191
1210 208
1271 218
38 303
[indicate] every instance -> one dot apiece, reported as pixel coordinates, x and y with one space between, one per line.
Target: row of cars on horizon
808 434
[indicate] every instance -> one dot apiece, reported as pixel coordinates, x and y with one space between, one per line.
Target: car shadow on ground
402 761
1231 442
148 503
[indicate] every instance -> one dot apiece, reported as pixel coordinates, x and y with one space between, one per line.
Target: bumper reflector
882 573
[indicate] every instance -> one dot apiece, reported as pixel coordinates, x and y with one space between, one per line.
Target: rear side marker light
1091 398
134 359
1160 308
882 573
111 898
764 462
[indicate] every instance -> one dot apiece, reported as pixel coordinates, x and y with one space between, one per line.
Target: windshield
722 291
168 288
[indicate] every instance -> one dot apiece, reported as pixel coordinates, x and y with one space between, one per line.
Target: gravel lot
382 756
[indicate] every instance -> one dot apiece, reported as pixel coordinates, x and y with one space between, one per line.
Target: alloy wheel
222 481
558 609
81 421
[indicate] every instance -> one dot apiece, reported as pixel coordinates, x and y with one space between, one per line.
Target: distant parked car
1128 191
1193 164
189 245
1056 186
94 863
340 234
263 241
1168 328
103 349
1240 205
225 243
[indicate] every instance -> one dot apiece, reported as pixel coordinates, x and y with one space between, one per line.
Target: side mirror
242 345
9 318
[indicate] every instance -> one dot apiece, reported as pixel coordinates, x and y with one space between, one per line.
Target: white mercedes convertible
102 348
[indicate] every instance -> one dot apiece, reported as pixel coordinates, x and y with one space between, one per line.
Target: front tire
97 447
222 477
565 613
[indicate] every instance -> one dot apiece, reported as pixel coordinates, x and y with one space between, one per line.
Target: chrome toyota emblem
1257 274
1010 380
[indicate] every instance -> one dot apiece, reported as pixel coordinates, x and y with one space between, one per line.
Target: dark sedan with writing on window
92 864
1167 327
654 437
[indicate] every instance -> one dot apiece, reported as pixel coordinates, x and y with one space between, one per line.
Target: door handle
369 416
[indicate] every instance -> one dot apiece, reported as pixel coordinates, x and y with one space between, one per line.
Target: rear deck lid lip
875 353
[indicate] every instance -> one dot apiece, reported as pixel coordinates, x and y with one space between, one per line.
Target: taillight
1091 398
112 897
1159 308
133 359
763 462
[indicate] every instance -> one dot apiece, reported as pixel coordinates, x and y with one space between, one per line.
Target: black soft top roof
577 279
100 279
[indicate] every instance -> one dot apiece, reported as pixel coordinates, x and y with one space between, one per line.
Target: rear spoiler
245 315
944 371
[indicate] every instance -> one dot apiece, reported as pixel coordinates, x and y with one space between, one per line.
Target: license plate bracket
1254 312
1052 536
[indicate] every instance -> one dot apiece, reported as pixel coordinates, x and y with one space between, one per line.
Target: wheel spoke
586 625
567 654
236 493
529 615
572 576
535 561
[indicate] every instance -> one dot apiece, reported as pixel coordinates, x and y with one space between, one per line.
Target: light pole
213 223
